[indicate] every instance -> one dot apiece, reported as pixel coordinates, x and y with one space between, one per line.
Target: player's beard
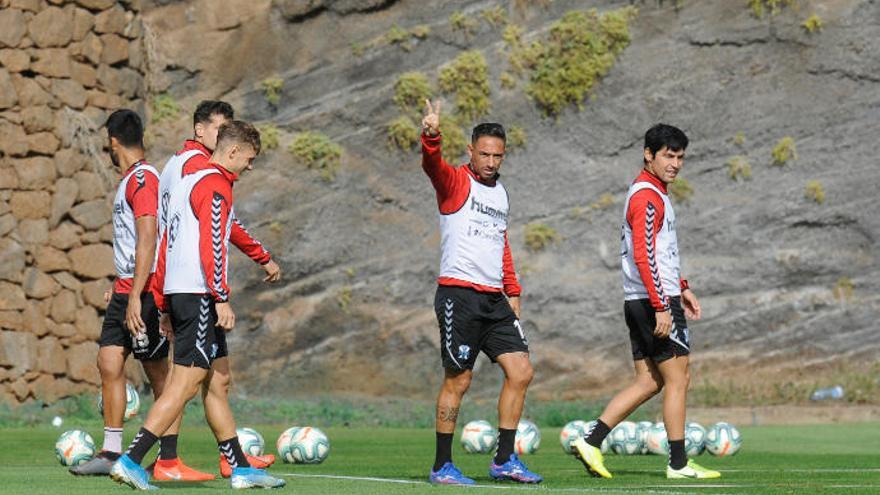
114 159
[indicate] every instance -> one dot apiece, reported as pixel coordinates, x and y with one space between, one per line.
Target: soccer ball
251 441
694 439
303 445
625 439
132 402
606 444
74 447
570 432
479 437
657 441
723 439
528 438
642 427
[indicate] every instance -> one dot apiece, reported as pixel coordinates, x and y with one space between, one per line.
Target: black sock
106 454
505 445
677 457
597 435
231 450
444 450
141 444
168 447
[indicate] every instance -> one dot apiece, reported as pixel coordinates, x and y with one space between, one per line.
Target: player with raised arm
657 304
192 270
477 300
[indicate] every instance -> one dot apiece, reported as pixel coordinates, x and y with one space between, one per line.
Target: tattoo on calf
447 414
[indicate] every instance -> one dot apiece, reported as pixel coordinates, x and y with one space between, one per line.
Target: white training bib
472 238
183 265
662 258
124 228
171 175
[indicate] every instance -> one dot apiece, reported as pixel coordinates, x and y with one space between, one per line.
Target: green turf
829 459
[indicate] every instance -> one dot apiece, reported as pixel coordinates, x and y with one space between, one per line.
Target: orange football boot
256 461
176 470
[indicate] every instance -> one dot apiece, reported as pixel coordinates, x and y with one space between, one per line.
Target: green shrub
774 6
272 89
421 31
812 24
358 49
516 138
468 77
579 49
844 288
512 35
343 298
318 152
784 151
681 190
403 133
815 192
164 108
739 167
508 80
540 235
410 92
606 200
396 35
739 139
496 16
269 136
459 21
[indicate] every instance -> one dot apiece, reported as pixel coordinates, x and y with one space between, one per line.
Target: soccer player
657 303
194 156
131 324
192 269
476 273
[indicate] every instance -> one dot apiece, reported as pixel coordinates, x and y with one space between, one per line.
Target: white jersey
124 229
662 257
472 239
171 175
183 266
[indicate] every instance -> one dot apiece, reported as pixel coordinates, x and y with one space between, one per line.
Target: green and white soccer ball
657 441
694 439
303 445
479 437
606 444
528 438
642 427
570 432
723 439
74 447
624 439
251 441
132 402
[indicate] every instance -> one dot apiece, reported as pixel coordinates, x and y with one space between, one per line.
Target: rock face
54 186
361 253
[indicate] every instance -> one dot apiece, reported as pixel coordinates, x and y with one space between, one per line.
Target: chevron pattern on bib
650 213
217 246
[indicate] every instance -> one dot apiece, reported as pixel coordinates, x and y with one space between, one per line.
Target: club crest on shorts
214 349
464 351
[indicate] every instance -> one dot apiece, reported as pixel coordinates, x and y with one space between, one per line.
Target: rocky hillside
784 260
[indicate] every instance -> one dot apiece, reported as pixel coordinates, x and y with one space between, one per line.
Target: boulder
65 236
37 119
14 60
68 281
66 191
48 389
29 5
35 173
43 143
10 320
51 27
96 4
12 27
70 92
30 93
93 292
51 62
93 261
84 74
8 94
33 231
30 204
39 285
115 49
50 259
63 306
11 297
87 323
20 389
91 214
18 350
8 223
83 21
112 20
12 260
33 320
14 144
68 162
50 356
82 362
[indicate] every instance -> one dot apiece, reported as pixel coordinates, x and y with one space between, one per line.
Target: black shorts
471 322
114 331
198 341
641 320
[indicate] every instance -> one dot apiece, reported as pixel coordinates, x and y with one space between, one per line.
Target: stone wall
64 65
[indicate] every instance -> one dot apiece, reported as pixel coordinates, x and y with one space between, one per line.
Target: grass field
828 459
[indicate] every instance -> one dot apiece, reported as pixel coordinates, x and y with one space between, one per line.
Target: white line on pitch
815 470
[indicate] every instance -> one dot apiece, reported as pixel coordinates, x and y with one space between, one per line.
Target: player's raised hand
431 122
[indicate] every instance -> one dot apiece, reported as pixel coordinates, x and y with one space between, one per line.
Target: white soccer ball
642 427
570 432
303 445
74 447
479 437
57 421
606 444
723 439
132 402
624 439
251 441
528 438
694 439
657 441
